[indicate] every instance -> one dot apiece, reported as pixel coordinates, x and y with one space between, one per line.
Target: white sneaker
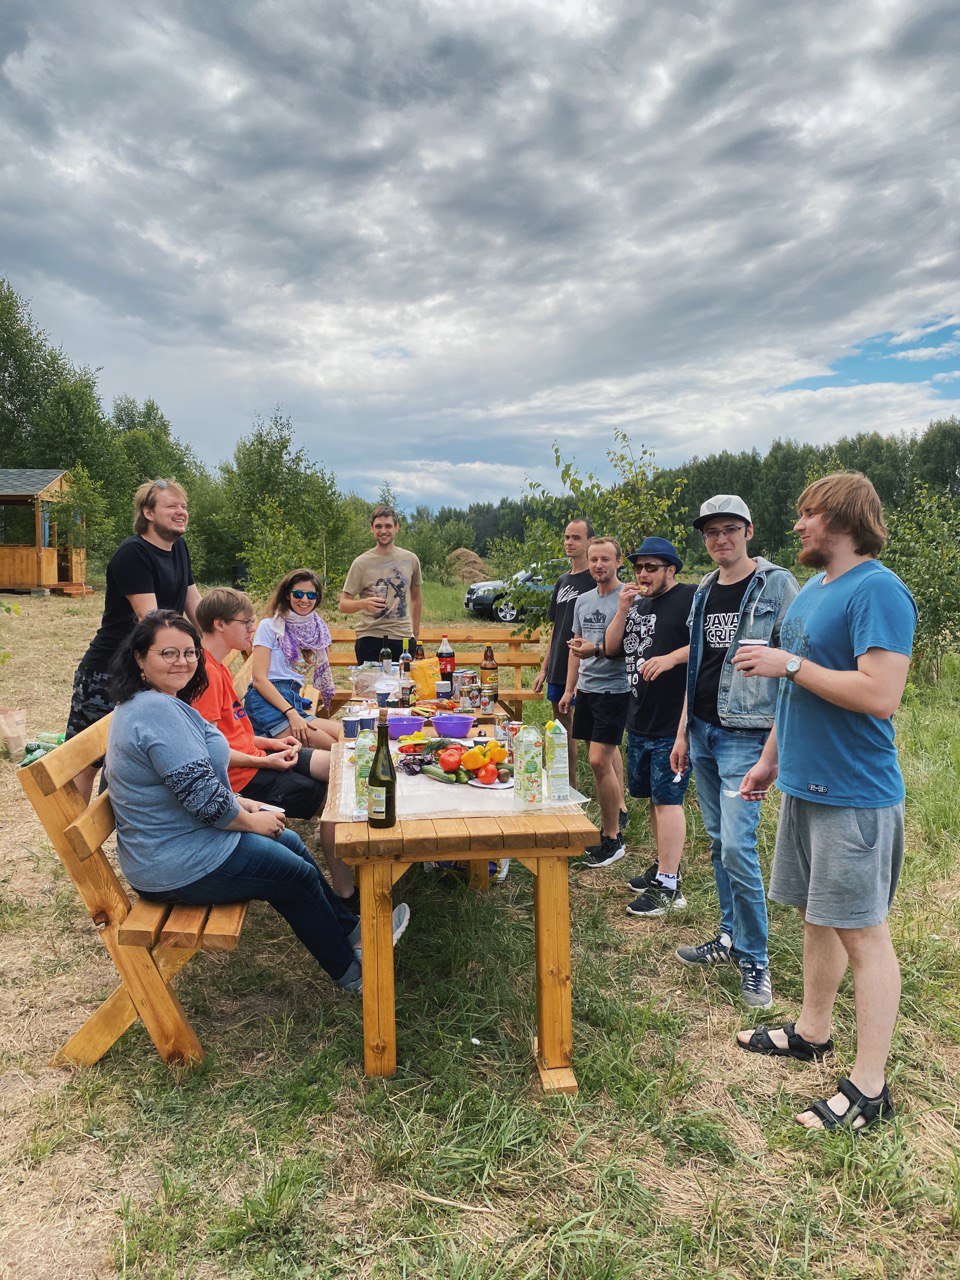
401 918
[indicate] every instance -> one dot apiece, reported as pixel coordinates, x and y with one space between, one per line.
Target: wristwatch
793 666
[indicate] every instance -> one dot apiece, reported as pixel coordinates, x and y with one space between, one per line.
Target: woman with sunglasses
290 647
182 834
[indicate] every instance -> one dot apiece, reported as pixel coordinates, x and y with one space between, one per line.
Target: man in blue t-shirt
847 640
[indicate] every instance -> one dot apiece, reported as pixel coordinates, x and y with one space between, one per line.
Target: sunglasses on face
304 595
649 568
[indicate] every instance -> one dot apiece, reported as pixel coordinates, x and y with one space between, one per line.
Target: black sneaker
646 878
610 849
657 900
716 951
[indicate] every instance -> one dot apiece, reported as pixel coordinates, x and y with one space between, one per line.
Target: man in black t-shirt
569 587
650 627
149 571
723 729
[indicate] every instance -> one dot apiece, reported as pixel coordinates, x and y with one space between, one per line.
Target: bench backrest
513 652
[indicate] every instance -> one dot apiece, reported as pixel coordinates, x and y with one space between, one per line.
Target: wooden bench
149 942
508 649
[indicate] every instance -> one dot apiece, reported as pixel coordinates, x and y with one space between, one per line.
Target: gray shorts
840 864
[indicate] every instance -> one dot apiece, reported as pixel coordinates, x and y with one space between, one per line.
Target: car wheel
507 611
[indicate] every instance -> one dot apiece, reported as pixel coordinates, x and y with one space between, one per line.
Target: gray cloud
460 233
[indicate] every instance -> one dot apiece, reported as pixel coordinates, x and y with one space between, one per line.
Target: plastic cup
382 696
351 726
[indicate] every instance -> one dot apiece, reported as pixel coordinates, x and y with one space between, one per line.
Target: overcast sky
442 235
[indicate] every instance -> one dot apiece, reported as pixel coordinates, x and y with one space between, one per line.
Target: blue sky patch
929 354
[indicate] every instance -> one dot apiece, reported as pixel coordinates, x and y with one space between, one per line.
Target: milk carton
558 771
528 765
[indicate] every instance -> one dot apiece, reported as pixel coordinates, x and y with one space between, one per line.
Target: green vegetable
434 771
462 776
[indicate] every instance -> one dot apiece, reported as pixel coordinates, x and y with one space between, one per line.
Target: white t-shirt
301 672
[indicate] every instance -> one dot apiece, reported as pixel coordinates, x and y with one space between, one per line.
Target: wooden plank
419 837
88 832
485 833
580 830
385 842
143 925
552 831
224 926
530 863
351 840
453 837
552 939
184 926
554 1079
478 875
60 766
519 831
160 1011
376 938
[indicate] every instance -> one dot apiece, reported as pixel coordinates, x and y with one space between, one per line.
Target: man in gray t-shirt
602 696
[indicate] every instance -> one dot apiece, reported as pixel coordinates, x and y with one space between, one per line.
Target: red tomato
487 774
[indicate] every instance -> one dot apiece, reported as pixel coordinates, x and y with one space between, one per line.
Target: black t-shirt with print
720 617
569 587
654 627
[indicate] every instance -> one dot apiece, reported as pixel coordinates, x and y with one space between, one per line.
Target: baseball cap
723 504
661 549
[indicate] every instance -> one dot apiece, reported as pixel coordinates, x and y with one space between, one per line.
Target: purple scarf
296 634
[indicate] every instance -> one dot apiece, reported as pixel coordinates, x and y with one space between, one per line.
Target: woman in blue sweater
182 834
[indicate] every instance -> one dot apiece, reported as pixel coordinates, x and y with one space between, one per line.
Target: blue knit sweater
167 776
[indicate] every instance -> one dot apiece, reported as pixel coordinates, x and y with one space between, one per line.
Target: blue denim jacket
744 702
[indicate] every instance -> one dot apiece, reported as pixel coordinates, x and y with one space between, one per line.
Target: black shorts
91 699
600 717
292 790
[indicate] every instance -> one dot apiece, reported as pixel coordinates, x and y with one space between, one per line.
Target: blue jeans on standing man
283 873
720 758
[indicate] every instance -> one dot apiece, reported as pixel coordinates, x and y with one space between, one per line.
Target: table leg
553 1047
376 937
478 874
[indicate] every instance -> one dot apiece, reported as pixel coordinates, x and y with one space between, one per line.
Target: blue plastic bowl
397 726
451 725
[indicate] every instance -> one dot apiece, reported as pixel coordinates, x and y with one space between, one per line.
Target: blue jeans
720 758
283 873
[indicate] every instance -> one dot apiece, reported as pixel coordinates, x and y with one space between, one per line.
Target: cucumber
434 771
462 776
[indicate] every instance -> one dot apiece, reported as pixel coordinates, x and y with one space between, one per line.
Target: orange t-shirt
221 707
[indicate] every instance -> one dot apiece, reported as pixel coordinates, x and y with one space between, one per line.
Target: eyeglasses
649 568
249 623
174 655
728 531
304 595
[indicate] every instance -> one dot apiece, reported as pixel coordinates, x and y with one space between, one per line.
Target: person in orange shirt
276 771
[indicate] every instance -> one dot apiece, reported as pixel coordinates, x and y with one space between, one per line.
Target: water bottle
528 765
558 771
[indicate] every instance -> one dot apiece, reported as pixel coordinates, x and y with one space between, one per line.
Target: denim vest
743 702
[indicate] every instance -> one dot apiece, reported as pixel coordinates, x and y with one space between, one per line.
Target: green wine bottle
382 787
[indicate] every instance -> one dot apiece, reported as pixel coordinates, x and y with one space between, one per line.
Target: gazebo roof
19 482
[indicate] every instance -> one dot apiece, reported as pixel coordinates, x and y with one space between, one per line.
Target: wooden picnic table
542 839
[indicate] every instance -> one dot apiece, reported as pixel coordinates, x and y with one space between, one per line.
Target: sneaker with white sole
610 849
657 900
716 951
401 918
352 980
755 989
646 878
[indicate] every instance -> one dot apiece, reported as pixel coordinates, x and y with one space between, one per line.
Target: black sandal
871 1109
797 1046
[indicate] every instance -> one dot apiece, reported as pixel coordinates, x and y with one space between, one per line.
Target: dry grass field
276 1158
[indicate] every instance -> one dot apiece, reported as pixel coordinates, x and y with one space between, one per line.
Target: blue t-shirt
827 754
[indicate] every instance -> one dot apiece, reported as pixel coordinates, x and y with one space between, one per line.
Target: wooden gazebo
50 561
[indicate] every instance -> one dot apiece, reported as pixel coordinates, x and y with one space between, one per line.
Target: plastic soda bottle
528 765
363 755
558 773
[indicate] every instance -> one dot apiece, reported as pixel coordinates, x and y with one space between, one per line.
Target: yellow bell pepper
473 759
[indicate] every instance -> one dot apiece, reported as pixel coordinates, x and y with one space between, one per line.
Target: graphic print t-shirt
391 576
720 618
654 627
569 587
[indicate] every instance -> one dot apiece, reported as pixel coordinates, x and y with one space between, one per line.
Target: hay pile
464 566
